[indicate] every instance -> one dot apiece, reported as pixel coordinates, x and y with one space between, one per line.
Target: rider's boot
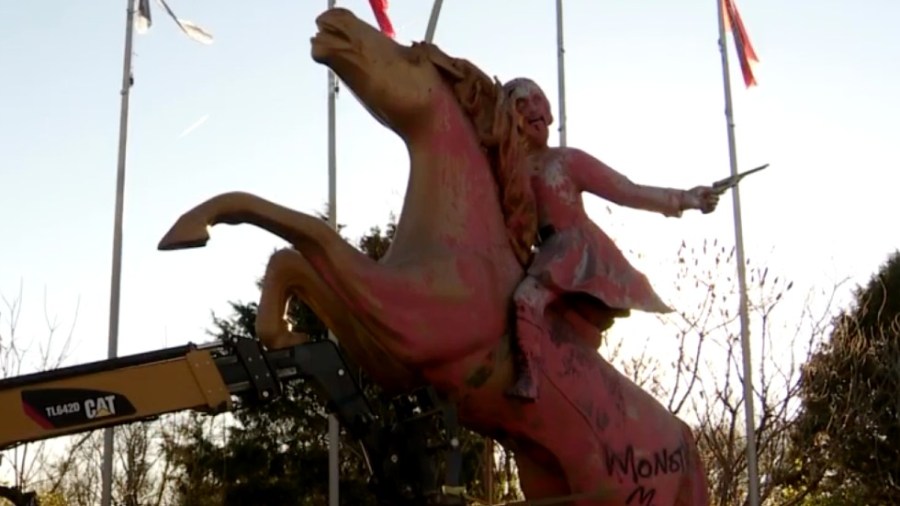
526 360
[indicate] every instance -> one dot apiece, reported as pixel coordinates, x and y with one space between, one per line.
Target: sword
723 185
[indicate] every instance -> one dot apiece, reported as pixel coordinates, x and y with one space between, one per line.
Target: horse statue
435 310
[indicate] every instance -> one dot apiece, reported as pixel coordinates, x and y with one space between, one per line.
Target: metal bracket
453 474
411 451
261 376
406 458
323 362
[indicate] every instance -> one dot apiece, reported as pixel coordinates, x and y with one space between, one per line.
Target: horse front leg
346 269
285 277
415 311
289 275
191 230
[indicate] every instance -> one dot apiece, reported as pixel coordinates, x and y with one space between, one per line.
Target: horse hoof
185 233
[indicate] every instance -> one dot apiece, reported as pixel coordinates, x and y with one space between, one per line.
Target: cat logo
100 407
58 408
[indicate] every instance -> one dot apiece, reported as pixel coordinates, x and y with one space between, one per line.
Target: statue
436 308
575 256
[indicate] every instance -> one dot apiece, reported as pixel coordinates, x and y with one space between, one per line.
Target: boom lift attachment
403 457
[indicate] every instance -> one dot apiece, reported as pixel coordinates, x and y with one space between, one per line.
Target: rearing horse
435 308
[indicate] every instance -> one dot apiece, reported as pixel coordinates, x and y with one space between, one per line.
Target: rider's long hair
491 112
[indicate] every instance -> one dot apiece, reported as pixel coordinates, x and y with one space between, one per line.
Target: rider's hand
703 198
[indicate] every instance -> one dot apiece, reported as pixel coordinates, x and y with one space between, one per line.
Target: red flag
379 7
745 51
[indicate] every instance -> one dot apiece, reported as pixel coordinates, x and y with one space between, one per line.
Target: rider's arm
593 176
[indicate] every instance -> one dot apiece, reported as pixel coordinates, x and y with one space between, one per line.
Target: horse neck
451 198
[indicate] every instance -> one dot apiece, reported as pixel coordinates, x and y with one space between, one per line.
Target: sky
643 91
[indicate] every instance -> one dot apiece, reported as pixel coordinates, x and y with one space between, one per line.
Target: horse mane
484 102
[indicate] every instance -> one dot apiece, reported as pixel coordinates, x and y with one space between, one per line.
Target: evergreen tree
849 424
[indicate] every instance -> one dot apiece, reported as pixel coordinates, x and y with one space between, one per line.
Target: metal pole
333 426
749 421
561 73
489 470
433 19
116 282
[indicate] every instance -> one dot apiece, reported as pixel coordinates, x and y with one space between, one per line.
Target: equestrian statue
496 287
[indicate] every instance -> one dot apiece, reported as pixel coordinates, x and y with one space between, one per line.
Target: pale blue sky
644 94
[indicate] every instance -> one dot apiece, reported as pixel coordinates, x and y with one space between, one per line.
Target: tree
71 477
141 474
702 382
849 423
278 453
17 497
21 355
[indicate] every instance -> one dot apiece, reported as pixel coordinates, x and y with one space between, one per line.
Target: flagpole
750 424
116 279
561 73
333 426
433 19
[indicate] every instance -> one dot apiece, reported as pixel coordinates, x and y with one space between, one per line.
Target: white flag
143 21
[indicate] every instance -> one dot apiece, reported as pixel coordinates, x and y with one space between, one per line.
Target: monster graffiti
659 462
641 496
640 467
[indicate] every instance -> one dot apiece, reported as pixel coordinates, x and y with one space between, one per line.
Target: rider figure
574 255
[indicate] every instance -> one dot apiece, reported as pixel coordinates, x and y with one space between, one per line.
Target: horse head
444 109
393 81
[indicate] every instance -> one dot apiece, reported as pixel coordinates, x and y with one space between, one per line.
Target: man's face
533 111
